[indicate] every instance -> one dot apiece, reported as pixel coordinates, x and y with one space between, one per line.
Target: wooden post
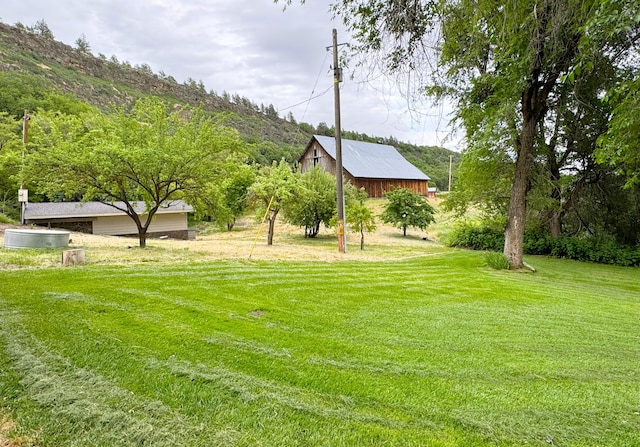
72 257
337 78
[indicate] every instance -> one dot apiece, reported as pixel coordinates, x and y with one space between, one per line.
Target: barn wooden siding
317 156
377 187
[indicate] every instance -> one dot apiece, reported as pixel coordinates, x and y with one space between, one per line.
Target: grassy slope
433 351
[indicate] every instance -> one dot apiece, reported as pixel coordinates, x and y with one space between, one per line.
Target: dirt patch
7 426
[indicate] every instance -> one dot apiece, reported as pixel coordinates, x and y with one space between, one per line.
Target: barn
100 218
375 167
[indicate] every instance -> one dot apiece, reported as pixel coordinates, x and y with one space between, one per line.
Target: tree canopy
273 187
152 154
313 201
406 209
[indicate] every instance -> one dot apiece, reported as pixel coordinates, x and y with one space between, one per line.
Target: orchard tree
360 218
406 209
234 187
313 201
273 187
151 155
225 195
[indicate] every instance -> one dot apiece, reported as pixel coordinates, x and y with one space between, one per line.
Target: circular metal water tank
36 238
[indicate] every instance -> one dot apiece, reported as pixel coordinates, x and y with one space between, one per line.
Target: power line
311 97
306 101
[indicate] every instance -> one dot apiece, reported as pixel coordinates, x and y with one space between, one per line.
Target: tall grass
434 351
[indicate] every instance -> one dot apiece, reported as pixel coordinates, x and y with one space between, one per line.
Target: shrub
496 260
477 237
5 219
485 236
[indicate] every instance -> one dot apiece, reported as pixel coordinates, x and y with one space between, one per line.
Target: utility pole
23 194
450 161
337 78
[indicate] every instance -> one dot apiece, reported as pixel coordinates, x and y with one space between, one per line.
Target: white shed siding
118 225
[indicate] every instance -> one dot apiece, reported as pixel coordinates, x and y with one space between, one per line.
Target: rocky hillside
104 82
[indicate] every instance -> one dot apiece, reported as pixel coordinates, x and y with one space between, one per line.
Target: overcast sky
248 47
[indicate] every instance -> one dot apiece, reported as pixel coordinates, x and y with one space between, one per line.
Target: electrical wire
311 97
306 101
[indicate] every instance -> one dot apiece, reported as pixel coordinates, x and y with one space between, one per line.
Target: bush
6 220
596 250
485 236
496 260
477 237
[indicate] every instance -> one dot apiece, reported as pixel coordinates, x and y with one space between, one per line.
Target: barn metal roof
63 210
371 160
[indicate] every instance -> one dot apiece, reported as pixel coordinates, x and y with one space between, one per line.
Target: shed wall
121 225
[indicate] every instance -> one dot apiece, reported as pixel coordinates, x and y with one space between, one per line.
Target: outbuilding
377 168
100 218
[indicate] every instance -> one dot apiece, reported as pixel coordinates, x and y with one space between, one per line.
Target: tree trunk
142 237
362 238
514 233
404 230
272 224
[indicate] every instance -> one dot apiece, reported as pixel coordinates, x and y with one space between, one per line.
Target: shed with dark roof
100 218
375 167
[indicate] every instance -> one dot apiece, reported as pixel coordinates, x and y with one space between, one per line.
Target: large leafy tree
503 64
152 154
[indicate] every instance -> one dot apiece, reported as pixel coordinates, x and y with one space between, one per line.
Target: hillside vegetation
41 63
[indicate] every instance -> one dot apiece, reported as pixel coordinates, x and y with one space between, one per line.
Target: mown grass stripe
429 351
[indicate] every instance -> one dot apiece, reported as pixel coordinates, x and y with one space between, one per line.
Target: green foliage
82 44
273 187
6 219
496 260
312 202
619 146
477 236
42 29
483 236
406 209
360 218
23 91
238 178
225 194
150 154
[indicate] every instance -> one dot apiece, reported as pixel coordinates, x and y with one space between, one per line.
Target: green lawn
432 351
